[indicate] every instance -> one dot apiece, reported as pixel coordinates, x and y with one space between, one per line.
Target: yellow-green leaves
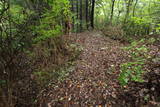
19 14
134 69
51 24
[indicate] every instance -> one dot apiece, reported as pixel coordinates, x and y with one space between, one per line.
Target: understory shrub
137 27
52 21
135 68
23 28
114 32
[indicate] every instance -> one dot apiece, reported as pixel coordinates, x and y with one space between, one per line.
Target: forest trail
94 81
40 66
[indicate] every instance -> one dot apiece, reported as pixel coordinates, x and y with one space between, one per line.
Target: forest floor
93 81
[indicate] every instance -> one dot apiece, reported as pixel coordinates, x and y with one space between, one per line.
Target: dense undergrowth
139 75
31 48
142 70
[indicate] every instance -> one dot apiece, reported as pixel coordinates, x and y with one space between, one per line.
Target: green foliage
134 69
47 32
20 27
54 73
59 73
51 23
13 41
15 17
140 17
137 26
2 82
155 14
158 28
19 14
131 71
42 77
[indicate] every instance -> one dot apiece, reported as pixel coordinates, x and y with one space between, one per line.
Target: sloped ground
94 80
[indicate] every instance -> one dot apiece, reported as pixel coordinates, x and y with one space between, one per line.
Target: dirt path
94 81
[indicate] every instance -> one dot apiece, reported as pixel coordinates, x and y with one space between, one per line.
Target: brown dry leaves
94 81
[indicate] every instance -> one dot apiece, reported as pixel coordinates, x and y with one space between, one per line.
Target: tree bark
128 10
77 15
81 15
134 8
72 3
112 11
87 14
92 14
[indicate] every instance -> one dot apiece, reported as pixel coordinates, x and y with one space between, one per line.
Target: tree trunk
112 10
77 15
73 10
128 10
134 8
92 14
87 14
81 15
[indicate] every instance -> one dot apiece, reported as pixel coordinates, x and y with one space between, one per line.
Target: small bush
114 32
137 27
51 22
134 69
